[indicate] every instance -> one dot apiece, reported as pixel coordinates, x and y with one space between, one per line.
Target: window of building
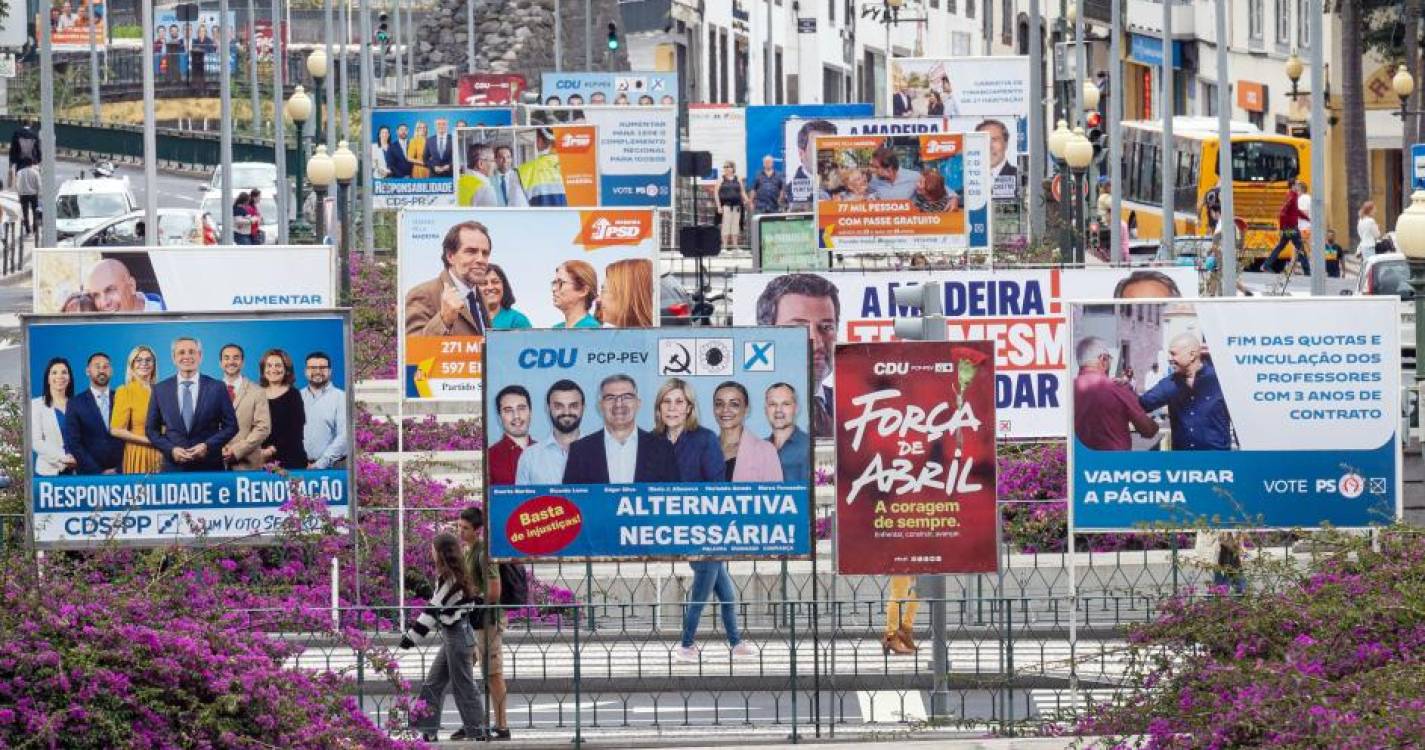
713 66
1006 22
1255 23
1209 99
960 43
1303 25
935 4
725 57
951 7
831 11
1283 8
969 8
781 83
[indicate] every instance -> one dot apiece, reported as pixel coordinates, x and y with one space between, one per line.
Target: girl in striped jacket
448 612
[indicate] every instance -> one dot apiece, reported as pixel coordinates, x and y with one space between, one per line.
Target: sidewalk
889 738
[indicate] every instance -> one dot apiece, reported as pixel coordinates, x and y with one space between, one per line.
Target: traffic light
383 28
613 37
1094 121
930 299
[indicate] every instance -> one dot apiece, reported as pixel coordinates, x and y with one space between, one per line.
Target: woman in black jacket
449 609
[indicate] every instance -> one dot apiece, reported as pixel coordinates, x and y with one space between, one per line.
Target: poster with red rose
915 458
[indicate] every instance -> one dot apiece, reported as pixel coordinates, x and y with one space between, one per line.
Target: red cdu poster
490 89
915 458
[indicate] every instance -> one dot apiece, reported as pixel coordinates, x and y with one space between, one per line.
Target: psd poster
133 468
546 166
915 458
903 193
413 152
464 272
766 124
721 130
619 89
1024 312
638 150
616 398
70 24
150 279
490 89
1253 413
799 138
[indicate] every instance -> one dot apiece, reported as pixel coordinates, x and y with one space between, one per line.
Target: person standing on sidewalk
27 186
768 188
489 640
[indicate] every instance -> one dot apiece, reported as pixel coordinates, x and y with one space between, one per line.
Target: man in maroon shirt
1104 407
1289 223
512 403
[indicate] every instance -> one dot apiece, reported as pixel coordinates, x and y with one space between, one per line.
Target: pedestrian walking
27 186
490 639
1333 255
450 611
1368 230
254 197
242 220
1289 220
901 605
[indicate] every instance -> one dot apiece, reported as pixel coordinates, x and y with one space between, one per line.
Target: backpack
514 585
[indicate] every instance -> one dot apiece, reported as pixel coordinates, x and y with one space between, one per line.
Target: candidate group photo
525 167
888 169
155 396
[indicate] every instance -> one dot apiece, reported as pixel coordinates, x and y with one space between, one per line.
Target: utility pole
279 128
1228 243
1170 159
1319 138
46 235
225 116
93 65
1037 146
368 100
150 133
400 59
329 81
1114 162
255 96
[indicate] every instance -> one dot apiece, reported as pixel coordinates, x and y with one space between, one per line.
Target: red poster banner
490 89
915 458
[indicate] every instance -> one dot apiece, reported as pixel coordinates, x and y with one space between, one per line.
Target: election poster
413 152
787 242
490 89
721 130
638 150
915 458
182 279
958 86
1022 311
527 167
170 428
1248 413
70 23
582 426
464 272
893 193
189 49
559 89
765 125
1003 132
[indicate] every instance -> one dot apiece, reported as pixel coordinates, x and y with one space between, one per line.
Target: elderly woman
575 287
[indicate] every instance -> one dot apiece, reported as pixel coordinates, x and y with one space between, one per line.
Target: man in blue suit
190 417
396 160
438 149
620 453
86 424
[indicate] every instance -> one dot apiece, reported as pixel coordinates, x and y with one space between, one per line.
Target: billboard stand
401 509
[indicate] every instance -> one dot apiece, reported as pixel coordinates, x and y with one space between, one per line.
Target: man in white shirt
254 419
506 181
891 181
324 437
543 462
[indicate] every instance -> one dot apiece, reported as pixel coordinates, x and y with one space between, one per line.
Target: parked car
212 205
1388 275
675 305
176 226
246 176
81 205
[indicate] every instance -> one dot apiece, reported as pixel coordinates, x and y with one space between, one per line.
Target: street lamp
299 108
321 172
1057 140
317 67
1294 68
1090 95
344 169
1410 238
1078 152
1404 85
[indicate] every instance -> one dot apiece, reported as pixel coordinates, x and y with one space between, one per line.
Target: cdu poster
915 458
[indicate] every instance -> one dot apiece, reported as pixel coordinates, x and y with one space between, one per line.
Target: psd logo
939 147
575 141
604 230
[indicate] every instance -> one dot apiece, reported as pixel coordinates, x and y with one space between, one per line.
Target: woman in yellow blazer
131 409
416 152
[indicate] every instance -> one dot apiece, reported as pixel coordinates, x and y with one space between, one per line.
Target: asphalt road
174 190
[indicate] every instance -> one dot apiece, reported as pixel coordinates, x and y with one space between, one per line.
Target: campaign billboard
638 150
70 24
915 458
958 86
1253 413
765 125
413 152
464 272
606 444
167 427
1003 131
721 130
787 242
559 89
545 166
490 89
183 279
190 48
890 193
1023 311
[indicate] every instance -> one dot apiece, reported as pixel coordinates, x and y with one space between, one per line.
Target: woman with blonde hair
575 287
131 410
1367 230
415 152
626 301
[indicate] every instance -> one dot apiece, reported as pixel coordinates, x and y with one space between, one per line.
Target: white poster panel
183 279
720 129
958 86
1023 311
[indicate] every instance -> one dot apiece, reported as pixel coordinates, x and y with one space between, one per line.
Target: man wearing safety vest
541 177
474 187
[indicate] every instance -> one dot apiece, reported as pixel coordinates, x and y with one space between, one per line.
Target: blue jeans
710 578
1236 580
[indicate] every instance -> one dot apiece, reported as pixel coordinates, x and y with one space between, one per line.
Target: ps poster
1252 413
527 167
649 444
915 458
903 193
170 428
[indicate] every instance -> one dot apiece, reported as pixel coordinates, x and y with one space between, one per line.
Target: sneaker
686 653
744 651
500 733
461 736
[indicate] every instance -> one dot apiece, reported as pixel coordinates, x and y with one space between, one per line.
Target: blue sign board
1148 50
765 128
1417 162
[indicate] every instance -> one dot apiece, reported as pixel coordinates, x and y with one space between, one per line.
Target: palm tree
1353 120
